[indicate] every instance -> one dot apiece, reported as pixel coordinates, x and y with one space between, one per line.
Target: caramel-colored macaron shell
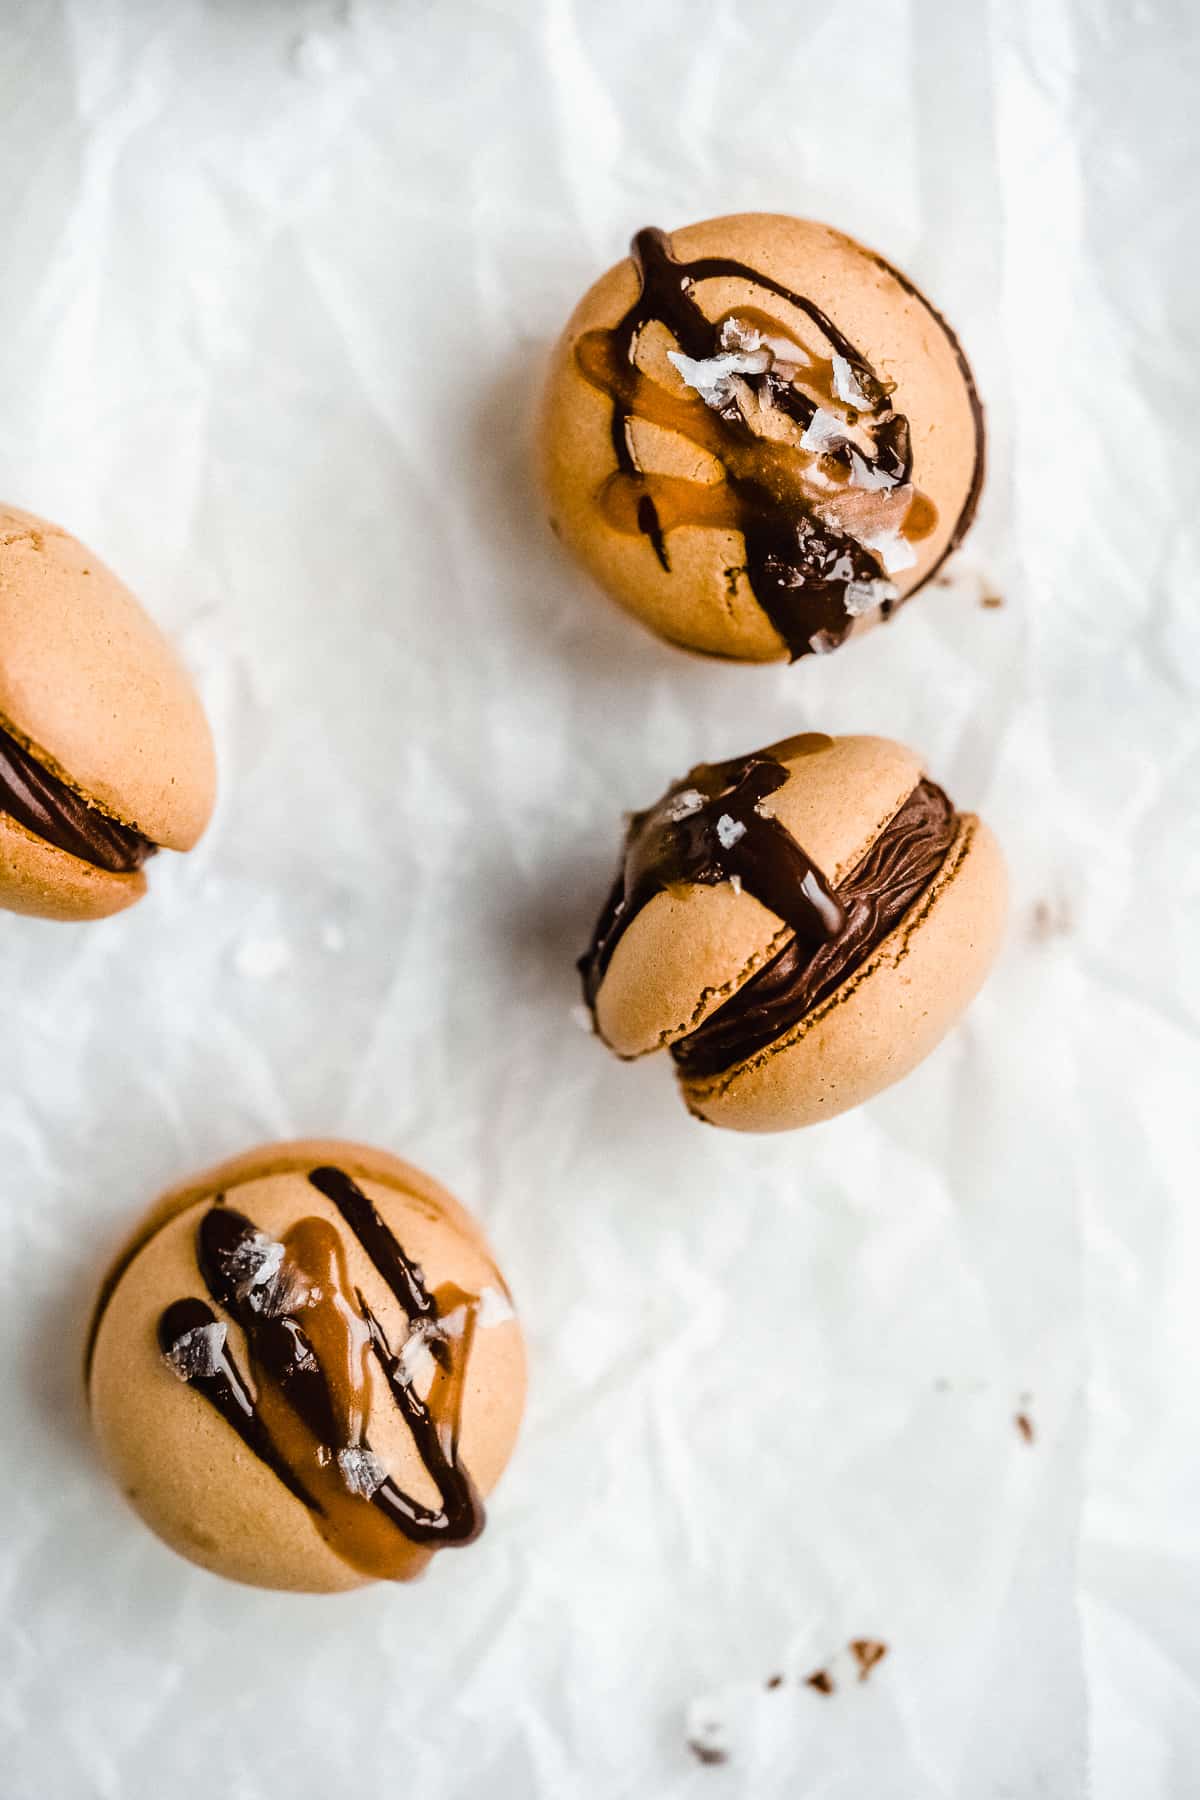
91 686
44 882
887 1016
700 604
685 954
182 1467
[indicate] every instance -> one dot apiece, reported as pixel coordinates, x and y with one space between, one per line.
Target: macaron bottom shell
886 1017
41 881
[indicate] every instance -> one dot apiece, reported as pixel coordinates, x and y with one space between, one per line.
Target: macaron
798 928
759 437
304 1369
105 753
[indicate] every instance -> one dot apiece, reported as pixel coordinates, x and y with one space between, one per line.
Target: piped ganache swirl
317 1355
816 464
51 810
711 828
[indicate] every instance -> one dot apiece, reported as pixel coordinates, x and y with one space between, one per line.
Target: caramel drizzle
312 1340
709 828
797 509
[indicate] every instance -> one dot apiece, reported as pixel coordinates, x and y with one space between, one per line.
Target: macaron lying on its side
799 927
105 752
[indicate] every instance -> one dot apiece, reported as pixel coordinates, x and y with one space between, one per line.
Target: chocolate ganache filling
816 463
875 896
711 827
311 1340
54 812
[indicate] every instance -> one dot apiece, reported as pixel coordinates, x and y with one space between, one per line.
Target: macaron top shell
90 685
217 1496
686 952
695 584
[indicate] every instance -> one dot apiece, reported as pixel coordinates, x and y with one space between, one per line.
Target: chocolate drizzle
709 828
312 1340
805 501
874 897
225 1389
54 812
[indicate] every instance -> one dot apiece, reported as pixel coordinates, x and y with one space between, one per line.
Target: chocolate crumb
867 1652
822 1680
1024 1425
774 1681
707 1753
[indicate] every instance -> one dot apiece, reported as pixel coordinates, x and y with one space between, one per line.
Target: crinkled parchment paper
277 282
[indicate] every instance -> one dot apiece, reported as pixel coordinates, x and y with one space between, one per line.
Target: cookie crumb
1024 1425
707 1753
991 601
774 1681
867 1652
822 1680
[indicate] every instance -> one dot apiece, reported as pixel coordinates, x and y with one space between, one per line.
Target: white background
276 285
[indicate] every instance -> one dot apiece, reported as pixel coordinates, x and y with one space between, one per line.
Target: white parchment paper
276 283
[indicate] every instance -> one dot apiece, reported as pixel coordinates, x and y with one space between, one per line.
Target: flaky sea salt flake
712 376
361 1470
683 805
736 334
729 831
862 597
823 432
895 550
198 1352
846 384
415 1363
871 477
255 1263
495 1308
